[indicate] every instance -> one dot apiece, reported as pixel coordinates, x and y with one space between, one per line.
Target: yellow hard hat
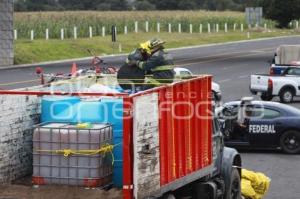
146 46
156 42
149 45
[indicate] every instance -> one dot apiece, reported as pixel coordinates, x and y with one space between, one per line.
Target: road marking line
243 76
234 42
19 82
260 50
220 59
224 80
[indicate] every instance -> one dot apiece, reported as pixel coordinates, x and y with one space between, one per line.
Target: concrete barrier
6 32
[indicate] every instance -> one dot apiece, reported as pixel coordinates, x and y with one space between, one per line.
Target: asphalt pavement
231 65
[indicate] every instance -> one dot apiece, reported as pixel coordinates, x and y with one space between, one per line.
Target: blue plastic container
59 109
106 110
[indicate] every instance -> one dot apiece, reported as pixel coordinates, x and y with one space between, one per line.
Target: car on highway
286 86
184 73
264 125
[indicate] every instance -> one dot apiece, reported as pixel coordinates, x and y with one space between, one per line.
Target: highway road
231 65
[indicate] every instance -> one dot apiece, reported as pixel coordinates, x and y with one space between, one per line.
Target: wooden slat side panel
146 145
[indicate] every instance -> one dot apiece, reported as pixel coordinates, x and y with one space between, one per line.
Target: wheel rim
292 142
235 189
287 96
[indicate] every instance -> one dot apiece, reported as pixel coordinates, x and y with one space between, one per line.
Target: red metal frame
185 144
42 93
127 149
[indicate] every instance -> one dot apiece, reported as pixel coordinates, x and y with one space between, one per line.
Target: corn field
25 22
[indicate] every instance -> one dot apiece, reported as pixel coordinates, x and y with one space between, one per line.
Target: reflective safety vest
159 61
163 68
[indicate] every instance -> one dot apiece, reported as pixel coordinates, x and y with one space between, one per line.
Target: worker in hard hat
148 60
129 76
139 54
158 66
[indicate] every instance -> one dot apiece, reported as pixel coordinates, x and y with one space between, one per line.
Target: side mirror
227 111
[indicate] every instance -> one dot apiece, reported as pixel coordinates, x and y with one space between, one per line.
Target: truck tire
290 142
169 196
200 191
266 97
234 188
286 95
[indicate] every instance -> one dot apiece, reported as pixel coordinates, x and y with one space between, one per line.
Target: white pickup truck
286 85
184 73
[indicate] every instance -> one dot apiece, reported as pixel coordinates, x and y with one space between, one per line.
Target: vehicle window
245 111
265 113
257 112
293 71
235 111
185 74
269 113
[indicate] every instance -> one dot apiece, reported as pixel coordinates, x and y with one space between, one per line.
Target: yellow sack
254 185
247 189
84 125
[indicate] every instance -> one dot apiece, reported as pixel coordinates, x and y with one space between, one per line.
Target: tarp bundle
288 54
254 185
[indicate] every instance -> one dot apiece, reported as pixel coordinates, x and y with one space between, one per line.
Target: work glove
131 62
139 64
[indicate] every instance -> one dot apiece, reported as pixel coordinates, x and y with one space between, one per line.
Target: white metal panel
259 82
146 145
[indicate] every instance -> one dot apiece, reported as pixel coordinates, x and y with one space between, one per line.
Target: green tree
224 5
165 4
20 5
282 11
118 4
72 4
103 6
94 4
41 5
187 5
144 5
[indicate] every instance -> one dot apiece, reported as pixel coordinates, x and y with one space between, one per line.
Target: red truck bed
167 141
167 135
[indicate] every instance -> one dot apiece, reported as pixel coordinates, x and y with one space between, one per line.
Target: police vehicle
260 124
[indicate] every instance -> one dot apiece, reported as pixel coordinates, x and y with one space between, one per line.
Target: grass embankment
42 50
